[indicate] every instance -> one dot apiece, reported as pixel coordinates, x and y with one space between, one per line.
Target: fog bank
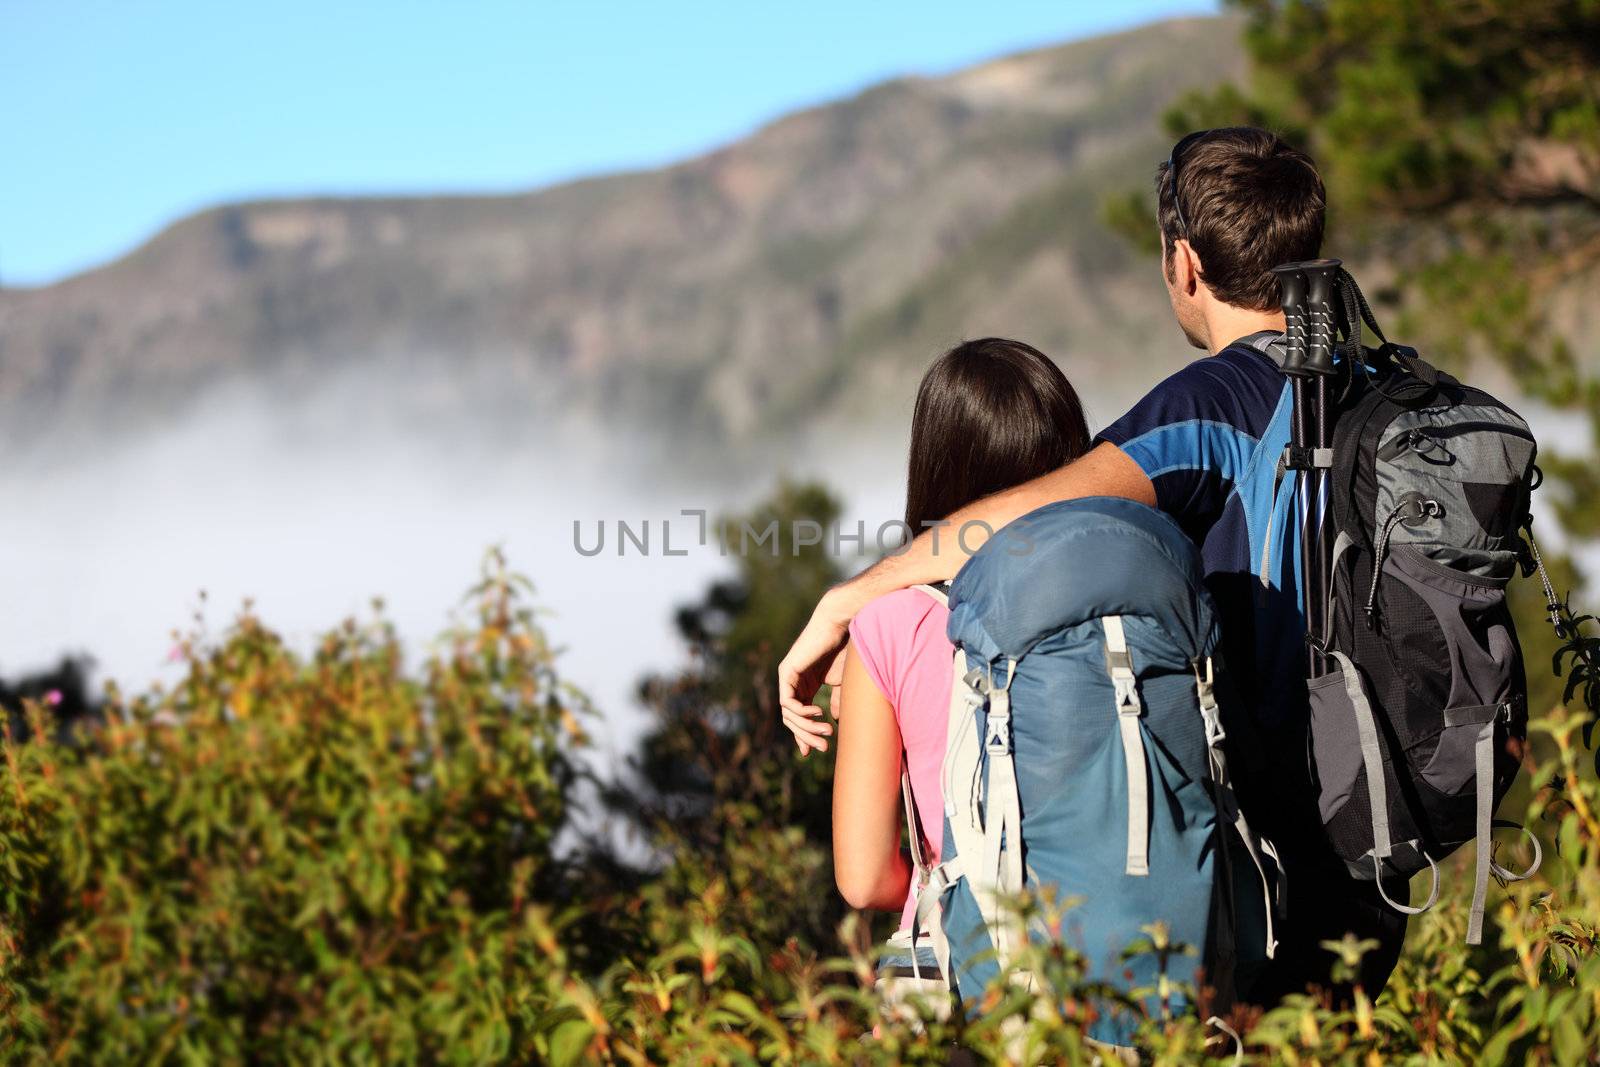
312 518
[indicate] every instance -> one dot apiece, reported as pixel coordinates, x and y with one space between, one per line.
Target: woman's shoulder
900 620
902 609
897 631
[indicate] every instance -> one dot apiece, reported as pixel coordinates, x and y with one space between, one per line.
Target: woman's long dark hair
990 414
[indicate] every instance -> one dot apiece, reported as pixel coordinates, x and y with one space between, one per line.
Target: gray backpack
1429 494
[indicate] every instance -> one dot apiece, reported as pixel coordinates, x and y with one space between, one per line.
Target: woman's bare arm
934 556
871 870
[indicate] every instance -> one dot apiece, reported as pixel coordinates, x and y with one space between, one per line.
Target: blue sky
122 116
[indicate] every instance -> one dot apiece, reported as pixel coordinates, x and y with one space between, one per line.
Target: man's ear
1185 267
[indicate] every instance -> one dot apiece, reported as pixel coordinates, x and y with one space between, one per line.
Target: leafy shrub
285 858
63 689
717 786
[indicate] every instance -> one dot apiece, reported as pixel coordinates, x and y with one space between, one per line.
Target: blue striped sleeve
1192 436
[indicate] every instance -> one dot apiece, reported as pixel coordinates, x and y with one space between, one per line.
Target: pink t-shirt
900 639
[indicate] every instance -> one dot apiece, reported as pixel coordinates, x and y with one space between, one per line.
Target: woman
989 415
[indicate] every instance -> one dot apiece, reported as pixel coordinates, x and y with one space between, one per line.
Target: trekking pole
1292 289
1307 295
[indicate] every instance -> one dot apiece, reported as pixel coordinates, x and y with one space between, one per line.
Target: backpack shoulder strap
919 858
929 882
1257 848
919 848
1268 342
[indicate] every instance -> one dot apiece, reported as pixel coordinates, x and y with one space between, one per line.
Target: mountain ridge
722 298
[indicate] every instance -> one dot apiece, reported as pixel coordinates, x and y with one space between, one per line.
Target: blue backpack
1085 756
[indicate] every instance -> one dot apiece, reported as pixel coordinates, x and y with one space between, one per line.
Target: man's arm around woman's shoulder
934 556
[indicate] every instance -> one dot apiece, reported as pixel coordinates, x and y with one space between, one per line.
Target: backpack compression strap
923 902
1002 809
1483 750
1119 663
1228 811
984 820
1377 787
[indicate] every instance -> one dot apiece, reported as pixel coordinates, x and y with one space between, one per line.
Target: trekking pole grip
1321 275
1292 298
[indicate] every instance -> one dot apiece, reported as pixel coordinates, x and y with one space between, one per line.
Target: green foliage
1129 215
63 689
1537 637
1578 659
1424 104
286 858
719 786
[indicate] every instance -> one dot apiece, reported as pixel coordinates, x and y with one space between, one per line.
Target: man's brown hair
1249 201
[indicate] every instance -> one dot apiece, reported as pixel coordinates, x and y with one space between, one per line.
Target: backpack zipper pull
1419 509
1397 445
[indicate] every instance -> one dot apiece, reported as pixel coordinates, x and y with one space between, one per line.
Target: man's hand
817 656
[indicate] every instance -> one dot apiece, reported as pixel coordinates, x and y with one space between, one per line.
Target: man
1203 446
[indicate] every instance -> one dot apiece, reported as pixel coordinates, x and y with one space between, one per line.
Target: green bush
318 859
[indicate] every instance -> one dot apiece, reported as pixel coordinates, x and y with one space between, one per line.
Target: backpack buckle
1205 690
1206 684
997 733
1120 666
1306 458
997 738
1127 695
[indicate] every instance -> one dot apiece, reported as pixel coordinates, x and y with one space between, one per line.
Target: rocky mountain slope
815 265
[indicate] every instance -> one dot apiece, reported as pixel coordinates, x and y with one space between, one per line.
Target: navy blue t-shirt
1209 438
